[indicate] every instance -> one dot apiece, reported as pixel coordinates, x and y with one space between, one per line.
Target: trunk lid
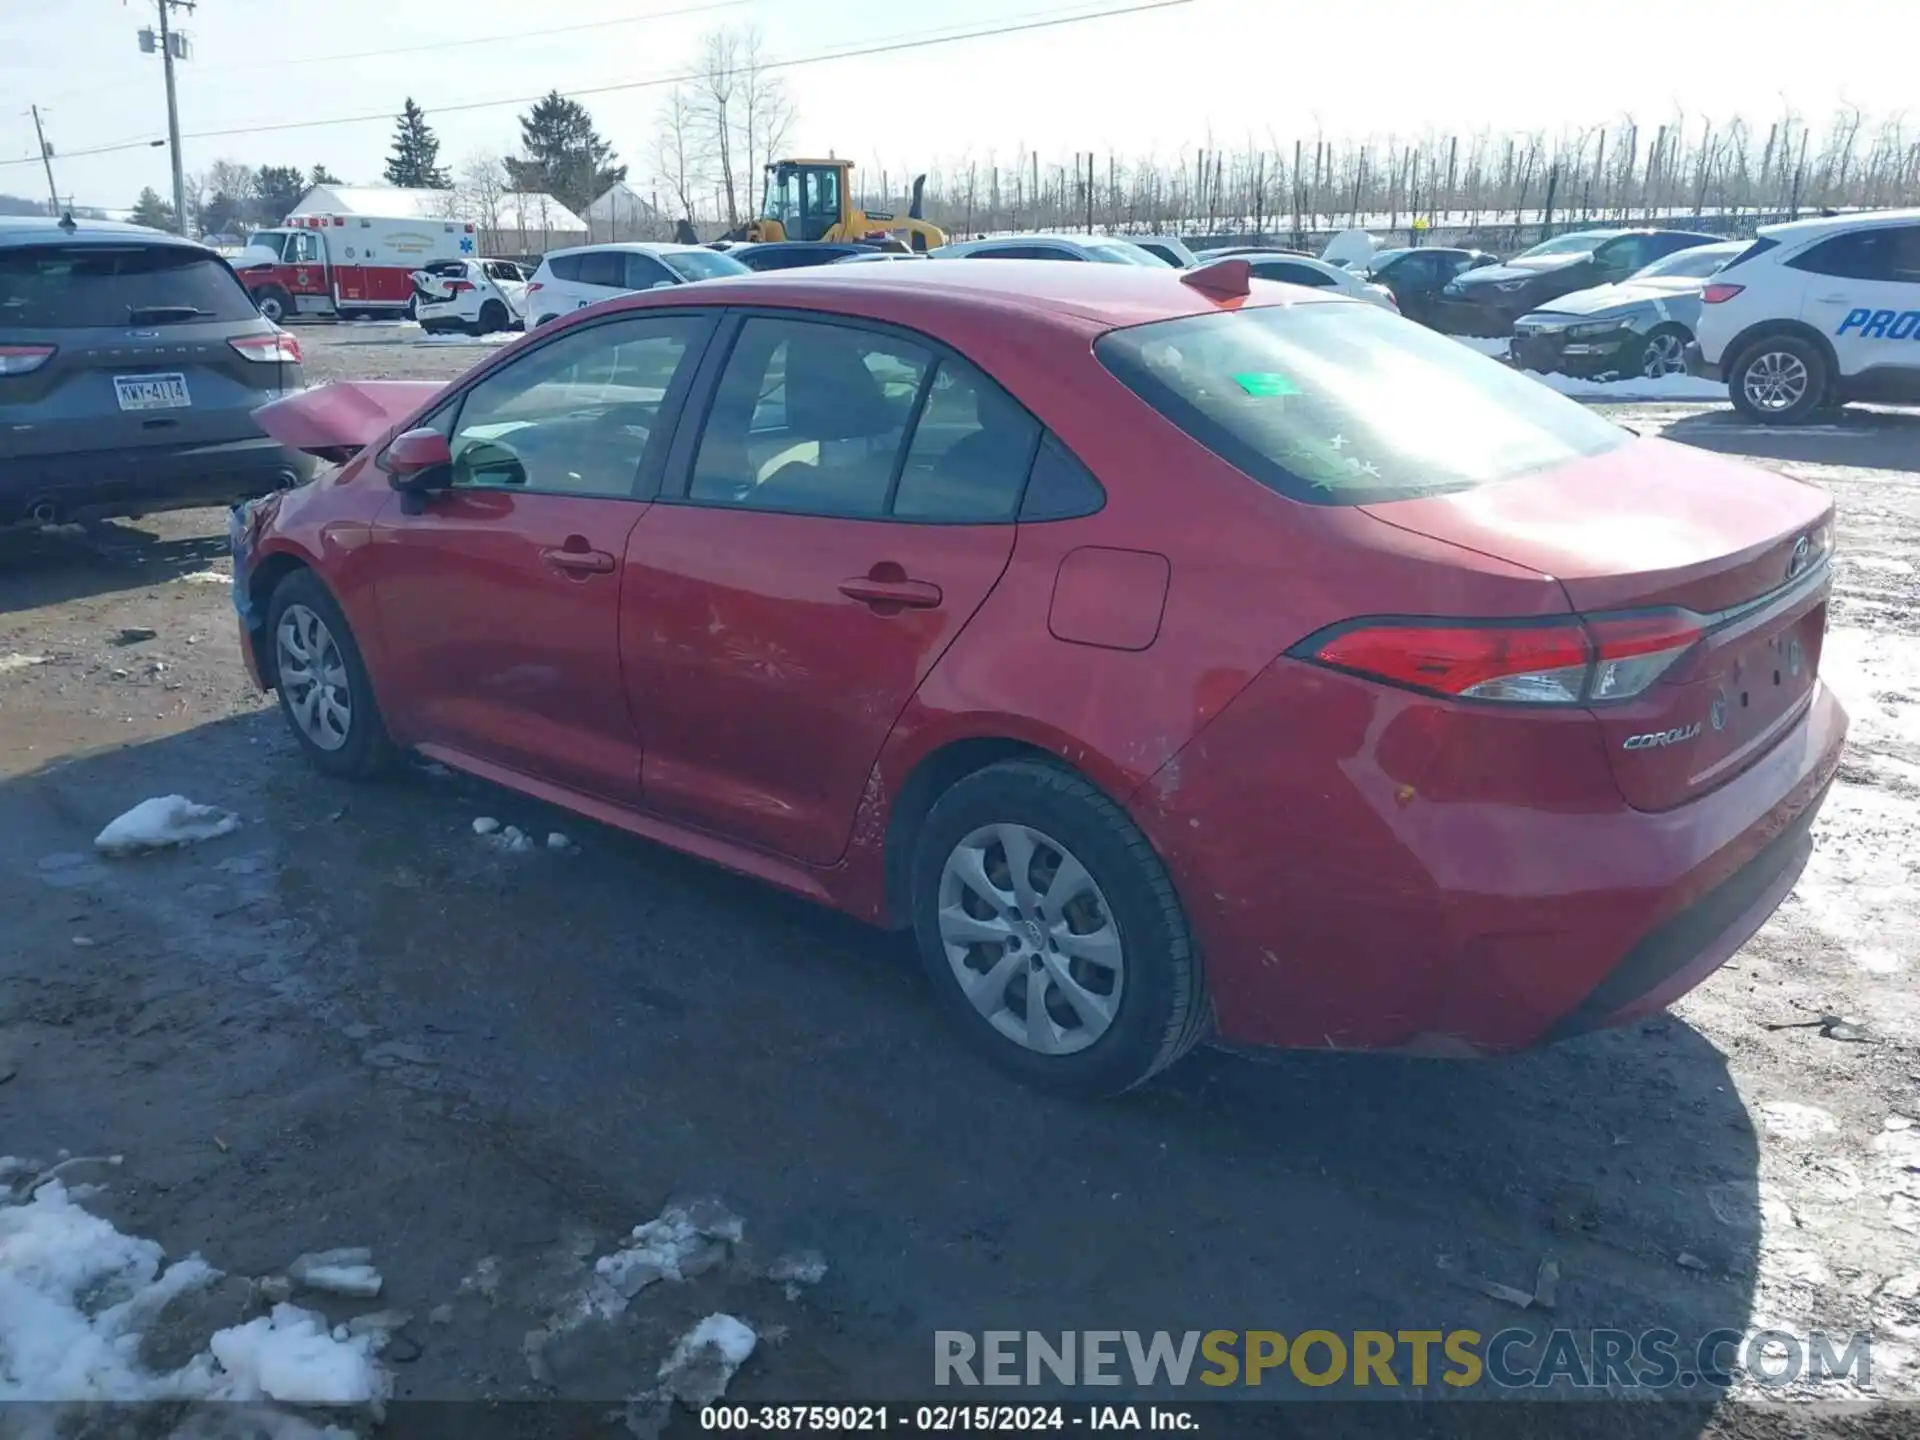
1655 525
337 421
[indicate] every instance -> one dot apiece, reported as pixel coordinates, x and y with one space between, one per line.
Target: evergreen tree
322 176
151 210
277 189
565 157
415 161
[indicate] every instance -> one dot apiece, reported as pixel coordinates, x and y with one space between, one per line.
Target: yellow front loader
813 200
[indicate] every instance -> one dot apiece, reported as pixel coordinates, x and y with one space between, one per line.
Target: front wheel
1664 352
1781 380
322 681
1051 931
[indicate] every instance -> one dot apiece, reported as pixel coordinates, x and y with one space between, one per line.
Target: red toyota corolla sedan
1177 655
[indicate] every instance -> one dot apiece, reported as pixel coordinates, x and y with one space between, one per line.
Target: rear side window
970 453
603 267
1349 405
1291 274
75 287
1758 247
565 267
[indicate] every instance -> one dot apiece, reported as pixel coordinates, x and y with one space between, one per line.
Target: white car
1319 275
570 280
476 296
1816 313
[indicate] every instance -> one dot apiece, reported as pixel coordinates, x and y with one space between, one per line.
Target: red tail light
1564 662
533 285
279 348
24 359
459 287
1720 294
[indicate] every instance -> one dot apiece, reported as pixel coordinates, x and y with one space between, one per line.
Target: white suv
570 280
477 296
1816 313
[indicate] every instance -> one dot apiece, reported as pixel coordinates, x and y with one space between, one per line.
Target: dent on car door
843 511
500 598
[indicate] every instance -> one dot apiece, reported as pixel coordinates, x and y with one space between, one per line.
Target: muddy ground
355 1023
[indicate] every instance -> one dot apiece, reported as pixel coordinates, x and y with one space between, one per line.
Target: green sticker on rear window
1265 382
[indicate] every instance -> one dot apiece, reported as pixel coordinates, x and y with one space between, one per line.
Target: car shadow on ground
1871 438
40 568
644 1025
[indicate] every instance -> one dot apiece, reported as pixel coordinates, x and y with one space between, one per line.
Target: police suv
1816 313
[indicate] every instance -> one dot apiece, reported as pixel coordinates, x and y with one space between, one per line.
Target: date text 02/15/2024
946 1419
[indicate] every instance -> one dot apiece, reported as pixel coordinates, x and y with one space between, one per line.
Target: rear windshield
1126 254
702 264
1694 263
1574 244
1758 247
1344 404
77 287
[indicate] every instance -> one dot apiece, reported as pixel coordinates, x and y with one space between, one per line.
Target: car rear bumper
146 481
1700 367
1390 887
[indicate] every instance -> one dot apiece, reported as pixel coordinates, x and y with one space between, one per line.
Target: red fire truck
346 266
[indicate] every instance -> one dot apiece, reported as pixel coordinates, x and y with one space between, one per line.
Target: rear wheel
543 320
275 304
1780 379
1664 352
1051 931
493 316
322 682
412 312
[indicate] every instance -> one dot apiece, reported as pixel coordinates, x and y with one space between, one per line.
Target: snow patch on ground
76 1297
497 337
704 1360
16 661
205 577
162 823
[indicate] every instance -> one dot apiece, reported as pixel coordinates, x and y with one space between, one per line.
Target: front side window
809 417
704 264
1347 405
574 417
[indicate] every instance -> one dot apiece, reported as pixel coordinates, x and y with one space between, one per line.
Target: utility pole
172 46
46 159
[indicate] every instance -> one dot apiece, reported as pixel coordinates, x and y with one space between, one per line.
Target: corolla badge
1654 739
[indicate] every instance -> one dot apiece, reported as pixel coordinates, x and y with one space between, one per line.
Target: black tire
1163 1008
1662 352
275 304
493 316
543 320
1775 356
366 750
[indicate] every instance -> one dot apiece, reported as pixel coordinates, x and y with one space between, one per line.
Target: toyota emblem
1717 712
1797 562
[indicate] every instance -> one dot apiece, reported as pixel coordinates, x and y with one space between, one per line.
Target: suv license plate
151 392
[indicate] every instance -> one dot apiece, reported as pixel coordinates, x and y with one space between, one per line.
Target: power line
922 41
439 45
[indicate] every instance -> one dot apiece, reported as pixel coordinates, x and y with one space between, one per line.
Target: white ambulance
346 266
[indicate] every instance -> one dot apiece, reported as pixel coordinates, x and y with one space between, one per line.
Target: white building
512 223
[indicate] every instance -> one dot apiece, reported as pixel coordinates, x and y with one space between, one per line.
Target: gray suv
131 362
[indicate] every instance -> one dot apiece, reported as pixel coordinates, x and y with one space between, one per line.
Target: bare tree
482 186
765 109
716 94
681 159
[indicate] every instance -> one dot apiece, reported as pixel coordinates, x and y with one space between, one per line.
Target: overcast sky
1135 84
